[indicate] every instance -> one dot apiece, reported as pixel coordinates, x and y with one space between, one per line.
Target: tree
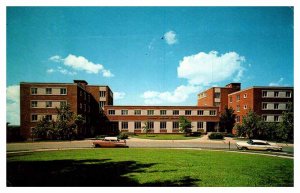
185 125
286 127
252 125
227 120
42 129
79 121
65 121
146 127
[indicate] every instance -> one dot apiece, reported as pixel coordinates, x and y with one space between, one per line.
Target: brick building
217 96
39 100
161 119
266 101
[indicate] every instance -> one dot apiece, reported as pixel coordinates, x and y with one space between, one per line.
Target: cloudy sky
149 55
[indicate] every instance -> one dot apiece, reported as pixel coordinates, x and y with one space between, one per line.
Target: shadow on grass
82 173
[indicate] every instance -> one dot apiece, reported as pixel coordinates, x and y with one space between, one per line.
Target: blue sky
149 55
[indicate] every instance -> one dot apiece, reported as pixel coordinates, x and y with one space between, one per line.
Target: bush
195 134
216 136
229 135
123 136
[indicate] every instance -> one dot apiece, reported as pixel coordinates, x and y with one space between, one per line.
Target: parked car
109 142
253 144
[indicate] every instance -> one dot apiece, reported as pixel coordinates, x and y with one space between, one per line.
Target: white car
253 144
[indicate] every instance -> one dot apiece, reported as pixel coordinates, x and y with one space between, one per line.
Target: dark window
150 124
102 103
288 94
163 112
237 119
276 105
175 112
124 112
49 117
137 125
200 112
230 99
163 125
237 97
150 112
188 112
63 91
212 112
33 90
276 118
48 90
33 117
264 93
276 94
217 95
63 103
48 103
111 112
264 117
175 125
124 125
137 112
264 106
199 125
102 93
33 103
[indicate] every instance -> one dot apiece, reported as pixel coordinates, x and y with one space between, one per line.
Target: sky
149 55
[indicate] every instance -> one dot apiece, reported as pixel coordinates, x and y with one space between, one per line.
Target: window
84 107
163 125
137 112
264 117
264 106
200 112
217 95
237 97
175 125
288 94
124 125
48 90
245 106
245 96
163 112
49 117
150 112
33 90
102 93
264 93
80 105
33 104
63 91
237 108
84 95
237 119
175 112
230 99
150 124
137 125
34 117
276 94
188 112
80 92
101 104
276 106
48 104
124 112
63 103
199 125
111 112
212 112
276 118
89 98
217 104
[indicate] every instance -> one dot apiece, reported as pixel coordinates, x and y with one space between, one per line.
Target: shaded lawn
164 136
147 167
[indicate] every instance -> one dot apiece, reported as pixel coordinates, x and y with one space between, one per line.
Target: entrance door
210 127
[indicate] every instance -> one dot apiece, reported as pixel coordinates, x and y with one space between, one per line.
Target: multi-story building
39 100
217 96
266 101
161 119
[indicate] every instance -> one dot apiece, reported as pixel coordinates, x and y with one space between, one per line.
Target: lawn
164 136
147 167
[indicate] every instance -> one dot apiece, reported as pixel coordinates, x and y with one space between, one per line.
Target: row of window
162 112
275 106
34 117
267 118
48 104
49 91
238 97
163 125
276 94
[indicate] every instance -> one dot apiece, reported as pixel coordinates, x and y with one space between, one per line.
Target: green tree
43 129
65 121
285 130
185 125
79 121
227 120
146 127
252 125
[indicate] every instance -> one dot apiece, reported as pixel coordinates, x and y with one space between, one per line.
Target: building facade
38 100
217 96
161 119
268 102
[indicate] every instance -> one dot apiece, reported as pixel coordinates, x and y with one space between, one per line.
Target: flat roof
160 106
263 87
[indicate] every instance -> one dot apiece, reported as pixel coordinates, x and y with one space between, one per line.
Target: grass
147 167
164 136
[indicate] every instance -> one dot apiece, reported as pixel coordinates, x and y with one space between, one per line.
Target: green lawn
164 136
147 167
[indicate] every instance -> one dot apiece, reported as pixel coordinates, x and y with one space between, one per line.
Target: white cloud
80 63
61 70
51 70
206 69
170 37
278 83
119 95
179 95
13 104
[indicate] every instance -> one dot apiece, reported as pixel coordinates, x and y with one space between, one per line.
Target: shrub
195 134
229 135
123 136
216 136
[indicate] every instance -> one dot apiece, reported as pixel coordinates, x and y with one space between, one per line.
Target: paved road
203 143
